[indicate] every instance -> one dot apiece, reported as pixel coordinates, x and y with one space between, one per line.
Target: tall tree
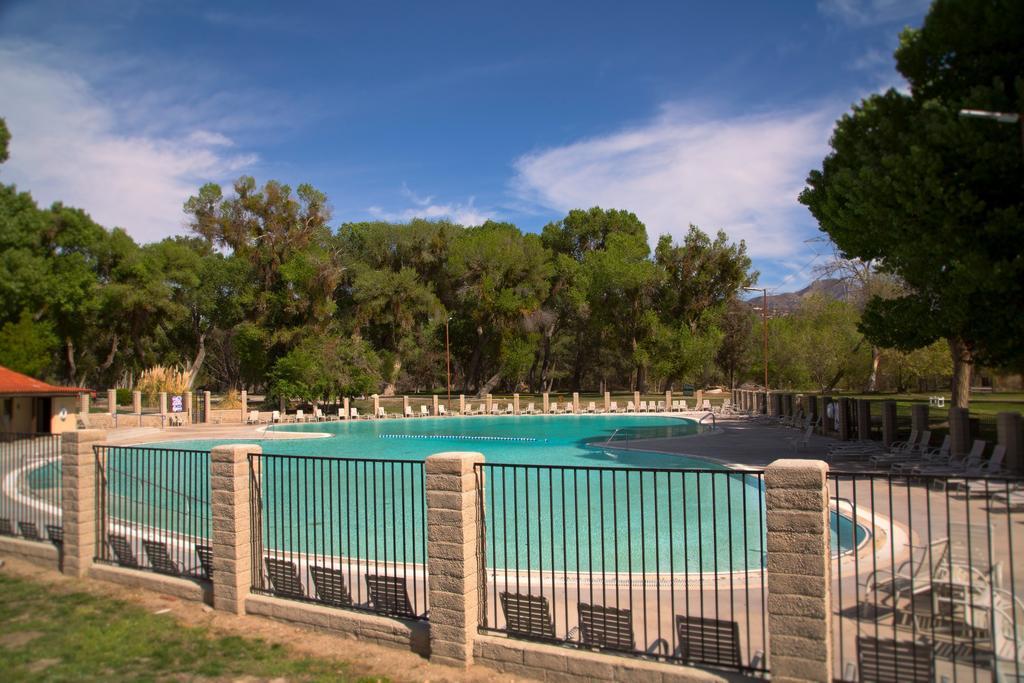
935 198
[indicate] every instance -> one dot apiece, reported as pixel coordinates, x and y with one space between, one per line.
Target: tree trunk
69 352
876 359
105 365
963 370
197 362
489 385
389 388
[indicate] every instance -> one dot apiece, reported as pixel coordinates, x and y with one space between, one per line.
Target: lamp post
764 320
448 360
1000 116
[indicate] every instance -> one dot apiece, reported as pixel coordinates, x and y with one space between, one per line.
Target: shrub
159 378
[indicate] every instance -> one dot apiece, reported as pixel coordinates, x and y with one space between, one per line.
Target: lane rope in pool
462 437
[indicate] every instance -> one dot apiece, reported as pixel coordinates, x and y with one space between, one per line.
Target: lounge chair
530 409
284 578
591 407
1012 498
388 595
800 442
570 408
643 407
930 456
205 555
706 405
912 577
275 416
553 408
29 531
510 409
300 416
606 627
613 407
254 417
56 535
630 407
661 406
894 661
904 453
708 641
684 406
5 527
330 586
424 412
318 415
123 551
955 465
528 616
160 559
441 410
353 413
381 413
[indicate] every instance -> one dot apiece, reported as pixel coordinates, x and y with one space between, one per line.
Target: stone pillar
281 407
1010 433
771 403
162 396
453 550
636 400
232 526
919 417
888 423
436 403
137 402
845 428
607 401
799 571
668 400
83 403
112 401
376 404
489 401
244 398
78 499
405 406
787 405
207 405
699 397
863 419
811 406
575 401
346 410
959 431
462 404
515 404
188 406
547 401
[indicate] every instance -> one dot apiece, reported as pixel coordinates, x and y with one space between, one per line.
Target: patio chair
381 414
29 531
553 408
353 413
284 578
706 405
160 559
388 595
5 527
708 641
300 416
591 407
955 465
661 407
894 661
643 407
530 409
441 410
527 616
318 415
630 408
613 407
275 416
330 586
254 417
903 454
56 535
912 577
800 442
123 551
606 627
683 406
930 456
510 409
205 555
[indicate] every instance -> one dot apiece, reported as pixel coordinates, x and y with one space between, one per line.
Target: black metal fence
341 532
663 563
927 585
153 510
30 495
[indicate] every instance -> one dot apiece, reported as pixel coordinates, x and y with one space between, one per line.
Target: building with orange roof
29 405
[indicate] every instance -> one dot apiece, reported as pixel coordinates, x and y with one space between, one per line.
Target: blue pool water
624 518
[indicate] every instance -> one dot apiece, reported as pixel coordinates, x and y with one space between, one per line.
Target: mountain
787 302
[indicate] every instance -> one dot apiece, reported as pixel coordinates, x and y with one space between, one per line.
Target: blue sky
683 112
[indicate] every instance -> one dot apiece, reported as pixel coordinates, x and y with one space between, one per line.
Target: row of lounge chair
386 594
160 557
30 531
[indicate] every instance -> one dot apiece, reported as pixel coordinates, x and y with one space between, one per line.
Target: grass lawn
50 635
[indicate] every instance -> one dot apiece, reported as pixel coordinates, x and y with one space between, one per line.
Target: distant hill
787 302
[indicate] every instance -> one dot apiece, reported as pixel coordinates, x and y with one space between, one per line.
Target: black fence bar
30 486
662 563
341 532
153 510
928 583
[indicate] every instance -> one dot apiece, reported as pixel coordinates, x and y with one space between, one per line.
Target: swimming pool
647 511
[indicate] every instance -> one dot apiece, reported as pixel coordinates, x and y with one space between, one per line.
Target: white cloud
72 145
859 13
425 207
740 174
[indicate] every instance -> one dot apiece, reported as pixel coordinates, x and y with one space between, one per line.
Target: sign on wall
177 404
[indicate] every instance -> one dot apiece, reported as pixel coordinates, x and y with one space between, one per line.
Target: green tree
27 346
934 198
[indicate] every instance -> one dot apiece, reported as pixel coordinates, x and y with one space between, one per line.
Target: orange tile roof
15 383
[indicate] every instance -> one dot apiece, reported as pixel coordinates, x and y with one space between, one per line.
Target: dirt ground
365 659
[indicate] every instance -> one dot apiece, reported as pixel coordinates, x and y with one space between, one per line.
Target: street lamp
764 320
999 116
448 361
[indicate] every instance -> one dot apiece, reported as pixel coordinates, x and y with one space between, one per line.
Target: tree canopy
935 198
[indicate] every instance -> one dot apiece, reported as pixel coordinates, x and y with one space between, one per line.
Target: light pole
764 321
1000 116
448 361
